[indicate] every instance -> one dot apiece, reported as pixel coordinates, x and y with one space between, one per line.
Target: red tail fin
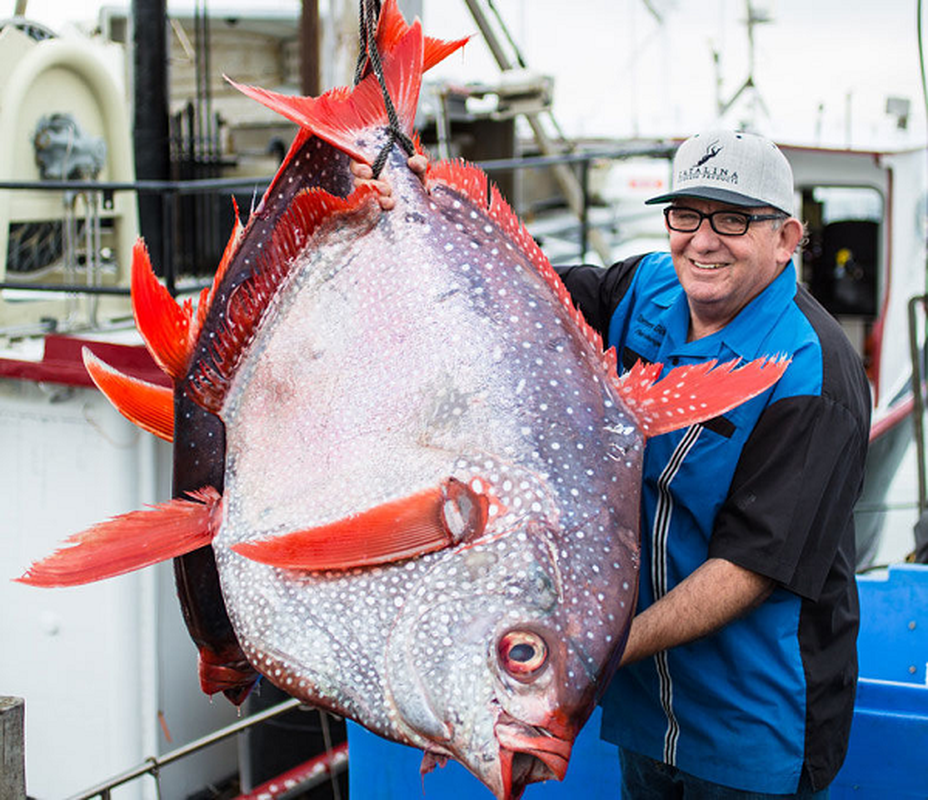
340 116
693 393
144 404
131 541
392 27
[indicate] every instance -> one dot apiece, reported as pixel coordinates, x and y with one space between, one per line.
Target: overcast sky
621 72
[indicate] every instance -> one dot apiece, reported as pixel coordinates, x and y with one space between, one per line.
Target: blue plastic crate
382 770
888 752
887 756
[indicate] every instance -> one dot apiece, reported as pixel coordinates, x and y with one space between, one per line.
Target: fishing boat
108 671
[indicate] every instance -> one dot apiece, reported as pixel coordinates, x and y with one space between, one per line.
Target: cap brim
709 193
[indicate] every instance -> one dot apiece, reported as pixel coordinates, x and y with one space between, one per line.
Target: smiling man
739 675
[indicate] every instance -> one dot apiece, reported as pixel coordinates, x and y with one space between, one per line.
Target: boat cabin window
840 261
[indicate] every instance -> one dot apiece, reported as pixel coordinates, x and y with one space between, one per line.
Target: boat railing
174 240
326 766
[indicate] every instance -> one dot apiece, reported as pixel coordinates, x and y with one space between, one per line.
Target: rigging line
921 58
508 35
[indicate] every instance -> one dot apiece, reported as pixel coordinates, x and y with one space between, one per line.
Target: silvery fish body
414 466
408 348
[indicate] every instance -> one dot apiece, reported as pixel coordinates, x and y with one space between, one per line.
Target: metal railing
336 761
170 192
173 193
916 353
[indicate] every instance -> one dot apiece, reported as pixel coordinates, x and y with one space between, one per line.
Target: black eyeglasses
724 223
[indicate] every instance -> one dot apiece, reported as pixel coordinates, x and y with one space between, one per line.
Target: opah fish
429 515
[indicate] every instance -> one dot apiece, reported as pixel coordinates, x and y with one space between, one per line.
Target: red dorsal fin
422 523
166 327
341 116
692 393
144 404
208 295
244 311
131 541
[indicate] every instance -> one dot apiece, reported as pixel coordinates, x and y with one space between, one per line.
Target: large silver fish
430 506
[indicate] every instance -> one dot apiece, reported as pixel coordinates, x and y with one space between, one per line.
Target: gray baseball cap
735 167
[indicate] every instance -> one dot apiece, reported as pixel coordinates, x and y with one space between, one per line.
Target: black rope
364 7
368 14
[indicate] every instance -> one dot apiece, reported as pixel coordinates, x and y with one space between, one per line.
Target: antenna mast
755 16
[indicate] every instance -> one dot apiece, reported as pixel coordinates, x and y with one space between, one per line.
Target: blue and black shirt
769 486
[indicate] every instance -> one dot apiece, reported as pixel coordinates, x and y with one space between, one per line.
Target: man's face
722 274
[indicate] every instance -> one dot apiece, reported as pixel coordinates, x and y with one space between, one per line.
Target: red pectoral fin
693 393
131 541
400 529
144 404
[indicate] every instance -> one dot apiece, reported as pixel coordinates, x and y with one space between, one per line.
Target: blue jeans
644 778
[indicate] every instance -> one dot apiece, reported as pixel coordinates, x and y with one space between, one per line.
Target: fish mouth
529 754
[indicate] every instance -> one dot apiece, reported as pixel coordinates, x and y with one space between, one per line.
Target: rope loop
368 14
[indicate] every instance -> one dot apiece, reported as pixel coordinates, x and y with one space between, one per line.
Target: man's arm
711 597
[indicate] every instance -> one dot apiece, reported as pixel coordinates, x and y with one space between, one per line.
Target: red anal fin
463 177
131 541
212 377
412 526
165 326
145 404
340 116
693 393
471 182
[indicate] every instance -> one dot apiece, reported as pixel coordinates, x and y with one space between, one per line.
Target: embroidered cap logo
711 152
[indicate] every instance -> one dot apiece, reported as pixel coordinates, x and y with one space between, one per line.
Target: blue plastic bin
888 752
887 757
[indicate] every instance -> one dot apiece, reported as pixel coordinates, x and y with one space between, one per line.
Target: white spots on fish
543 499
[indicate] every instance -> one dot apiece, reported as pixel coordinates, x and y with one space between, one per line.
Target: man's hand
418 164
364 175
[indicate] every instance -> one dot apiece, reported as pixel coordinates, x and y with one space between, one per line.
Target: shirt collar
743 336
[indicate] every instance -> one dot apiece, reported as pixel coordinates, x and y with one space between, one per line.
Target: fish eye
523 654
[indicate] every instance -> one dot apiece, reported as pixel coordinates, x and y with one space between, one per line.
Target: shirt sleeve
597 291
789 513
